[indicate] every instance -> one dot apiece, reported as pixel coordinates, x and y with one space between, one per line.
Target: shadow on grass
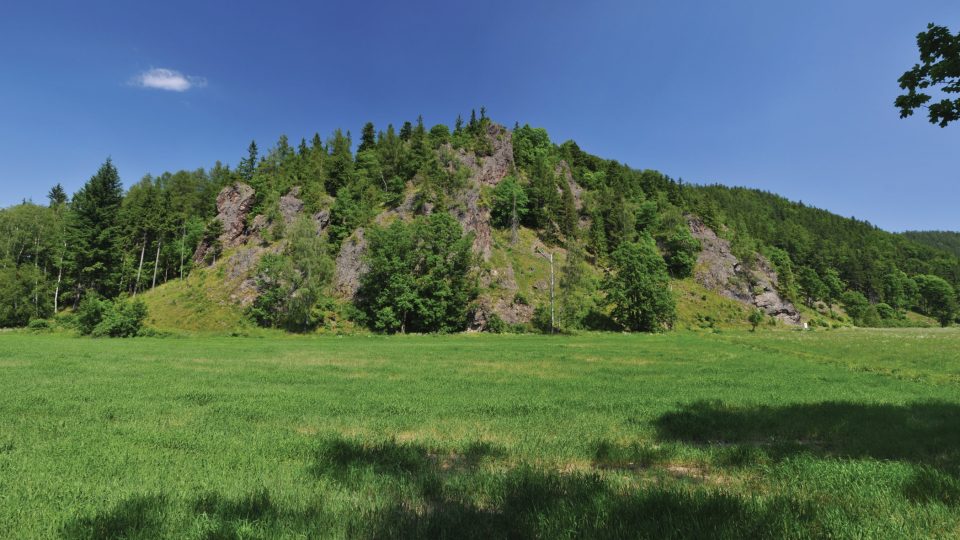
925 434
137 517
452 496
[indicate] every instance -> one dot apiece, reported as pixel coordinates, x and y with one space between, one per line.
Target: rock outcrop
475 218
350 266
484 171
233 204
490 170
720 270
503 305
290 205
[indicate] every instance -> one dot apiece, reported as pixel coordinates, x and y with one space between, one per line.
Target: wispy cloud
168 79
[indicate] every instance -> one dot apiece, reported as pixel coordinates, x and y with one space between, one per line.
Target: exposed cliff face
719 269
233 204
350 266
291 206
490 170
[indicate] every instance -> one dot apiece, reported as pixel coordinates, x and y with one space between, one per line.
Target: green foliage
543 199
495 324
439 136
292 286
682 250
121 317
857 307
885 311
93 232
419 277
948 241
639 287
541 320
578 305
937 298
354 207
530 146
211 237
338 166
509 202
786 280
899 290
811 286
20 288
940 57
755 318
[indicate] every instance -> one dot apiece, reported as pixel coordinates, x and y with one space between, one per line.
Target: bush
39 325
755 318
886 312
520 300
89 313
495 324
124 319
102 318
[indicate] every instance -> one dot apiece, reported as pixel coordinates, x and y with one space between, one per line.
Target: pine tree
368 139
406 131
93 232
248 165
339 164
57 196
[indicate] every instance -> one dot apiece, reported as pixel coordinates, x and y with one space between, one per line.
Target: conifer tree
93 232
57 196
248 165
368 138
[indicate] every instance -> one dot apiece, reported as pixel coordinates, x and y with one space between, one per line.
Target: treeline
103 241
108 243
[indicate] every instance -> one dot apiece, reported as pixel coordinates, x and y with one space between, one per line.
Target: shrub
755 318
89 313
102 318
122 319
39 325
885 311
495 324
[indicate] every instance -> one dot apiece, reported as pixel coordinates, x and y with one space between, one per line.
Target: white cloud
168 79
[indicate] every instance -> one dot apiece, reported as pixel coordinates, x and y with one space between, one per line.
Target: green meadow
777 434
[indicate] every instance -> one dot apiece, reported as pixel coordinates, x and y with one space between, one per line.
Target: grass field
848 433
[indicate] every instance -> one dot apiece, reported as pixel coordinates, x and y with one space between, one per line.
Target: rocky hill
513 277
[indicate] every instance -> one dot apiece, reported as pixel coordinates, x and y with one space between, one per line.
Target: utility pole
549 257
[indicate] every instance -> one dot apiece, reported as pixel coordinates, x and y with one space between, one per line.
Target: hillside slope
514 276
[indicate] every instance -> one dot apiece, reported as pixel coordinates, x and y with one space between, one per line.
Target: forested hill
945 240
440 229
865 256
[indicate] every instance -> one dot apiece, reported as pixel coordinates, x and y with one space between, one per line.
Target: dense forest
94 252
942 240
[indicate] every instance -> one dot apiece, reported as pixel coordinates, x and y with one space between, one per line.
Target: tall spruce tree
93 233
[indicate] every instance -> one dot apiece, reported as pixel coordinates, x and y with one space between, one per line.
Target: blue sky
790 97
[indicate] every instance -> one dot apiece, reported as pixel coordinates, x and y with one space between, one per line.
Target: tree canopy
939 67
